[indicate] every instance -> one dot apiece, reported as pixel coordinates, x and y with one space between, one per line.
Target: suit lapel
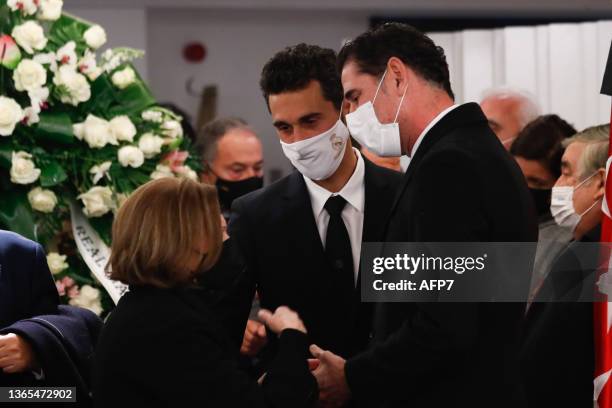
302 232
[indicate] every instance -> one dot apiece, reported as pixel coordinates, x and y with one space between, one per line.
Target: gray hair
210 134
595 154
529 108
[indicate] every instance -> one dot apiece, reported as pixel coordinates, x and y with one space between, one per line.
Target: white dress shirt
427 129
352 214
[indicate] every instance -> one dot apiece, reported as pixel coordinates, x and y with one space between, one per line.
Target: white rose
161 171
29 75
10 114
130 156
57 263
99 171
150 145
30 36
95 37
97 201
88 66
27 7
123 128
88 298
122 79
66 55
74 86
23 170
187 172
50 10
95 131
42 200
172 129
152 116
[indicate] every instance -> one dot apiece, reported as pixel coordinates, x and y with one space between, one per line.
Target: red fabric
603 338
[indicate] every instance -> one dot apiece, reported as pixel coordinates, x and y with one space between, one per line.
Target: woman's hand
283 318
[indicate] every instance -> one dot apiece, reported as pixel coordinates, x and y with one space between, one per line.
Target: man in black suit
301 236
460 185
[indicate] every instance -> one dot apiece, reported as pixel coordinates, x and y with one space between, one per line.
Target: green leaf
133 99
103 97
6 154
51 174
55 127
16 214
103 226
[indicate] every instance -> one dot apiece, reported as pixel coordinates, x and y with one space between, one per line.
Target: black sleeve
437 333
207 376
44 297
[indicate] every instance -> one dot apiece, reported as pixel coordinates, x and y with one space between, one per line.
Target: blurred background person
232 159
41 343
162 345
538 150
557 353
508 110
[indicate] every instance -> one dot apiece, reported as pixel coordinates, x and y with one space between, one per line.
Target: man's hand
16 355
254 338
333 389
282 318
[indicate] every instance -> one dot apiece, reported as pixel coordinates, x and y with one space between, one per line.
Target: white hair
529 108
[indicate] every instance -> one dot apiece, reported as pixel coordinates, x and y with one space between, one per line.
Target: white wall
560 64
239 43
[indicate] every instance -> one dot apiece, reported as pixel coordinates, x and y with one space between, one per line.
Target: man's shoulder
10 241
265 196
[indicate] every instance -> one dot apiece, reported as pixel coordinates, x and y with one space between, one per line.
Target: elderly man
508 111
232 159
557 352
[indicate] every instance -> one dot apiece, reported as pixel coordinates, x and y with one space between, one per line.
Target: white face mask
562 205
383 139
320 156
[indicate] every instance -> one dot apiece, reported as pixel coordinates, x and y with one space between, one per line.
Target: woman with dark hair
538 150
163 346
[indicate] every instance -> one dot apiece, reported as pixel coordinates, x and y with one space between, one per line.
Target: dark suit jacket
461 185
26 285
164 348
62 337
276 232
557 349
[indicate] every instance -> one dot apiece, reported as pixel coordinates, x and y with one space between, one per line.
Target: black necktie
338 248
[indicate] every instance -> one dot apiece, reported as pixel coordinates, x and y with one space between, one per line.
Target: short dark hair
542 140
293 68
209 135
371 52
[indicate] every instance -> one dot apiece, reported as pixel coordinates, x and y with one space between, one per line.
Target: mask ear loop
400 105
590 208
584 181
341 106
379 84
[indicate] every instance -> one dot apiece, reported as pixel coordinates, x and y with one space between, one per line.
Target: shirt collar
353 191
428 128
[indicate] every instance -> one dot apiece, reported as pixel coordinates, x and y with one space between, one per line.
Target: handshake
326 367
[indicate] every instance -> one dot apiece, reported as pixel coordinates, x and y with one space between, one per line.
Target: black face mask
541 198
230 190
